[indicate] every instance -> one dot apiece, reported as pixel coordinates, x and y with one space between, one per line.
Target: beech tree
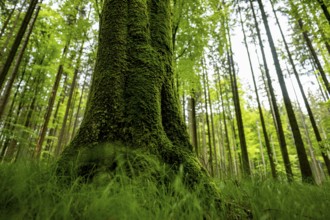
133 108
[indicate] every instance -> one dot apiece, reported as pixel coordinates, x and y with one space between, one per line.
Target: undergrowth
33 191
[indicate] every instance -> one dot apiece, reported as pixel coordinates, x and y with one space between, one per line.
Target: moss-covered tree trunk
132 105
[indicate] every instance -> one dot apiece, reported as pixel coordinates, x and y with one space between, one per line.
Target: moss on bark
132 108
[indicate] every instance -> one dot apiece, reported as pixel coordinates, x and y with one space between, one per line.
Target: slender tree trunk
232 167
4 26
51 101
208 122
71 92
273 103
261 116
67 136
301 88
212 126
9 85
245 157
232 73
12 29
193 121
324 9
53 131
315 167
305 168
262 151
17 42
76 121
310 47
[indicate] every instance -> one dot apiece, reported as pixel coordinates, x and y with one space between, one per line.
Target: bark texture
132 108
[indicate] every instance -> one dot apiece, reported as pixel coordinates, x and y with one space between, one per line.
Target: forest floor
31 191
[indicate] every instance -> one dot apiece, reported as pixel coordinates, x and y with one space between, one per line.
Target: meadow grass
33 191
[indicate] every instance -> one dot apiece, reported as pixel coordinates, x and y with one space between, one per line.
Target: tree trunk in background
208 122
324 9
310 46
245 157
75 124
4 26
301 88
67 109
17 42
53 131
212 126
315 167
233 137
51 102
193 122
261 116
12 29
224 121
273 103
9 85
305 168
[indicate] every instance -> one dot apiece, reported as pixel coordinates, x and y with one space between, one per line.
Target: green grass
30 191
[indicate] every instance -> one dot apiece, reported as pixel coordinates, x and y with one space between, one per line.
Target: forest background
255 99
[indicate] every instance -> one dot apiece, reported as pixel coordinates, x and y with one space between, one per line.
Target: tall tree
273 103
132 100
305 168
4 70
324 9
233 78
261 115
307 105
310 46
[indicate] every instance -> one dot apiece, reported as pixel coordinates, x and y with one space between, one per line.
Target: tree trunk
325 10
132 106
50 105
53 131
245 157
4 26
301 88
305 168
208 122
193 122
12 29
310 47
6 93
224 120
17 42
273 103
261 116
75 124
66 114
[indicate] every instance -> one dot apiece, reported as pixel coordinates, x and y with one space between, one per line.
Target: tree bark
50 105
4 26
211 153
301 88
193 122
305 168
17 42
6 93
261 116
324 9
67 109
273 103
132 106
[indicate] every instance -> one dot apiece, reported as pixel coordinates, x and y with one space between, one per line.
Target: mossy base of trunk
92 163
98 164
